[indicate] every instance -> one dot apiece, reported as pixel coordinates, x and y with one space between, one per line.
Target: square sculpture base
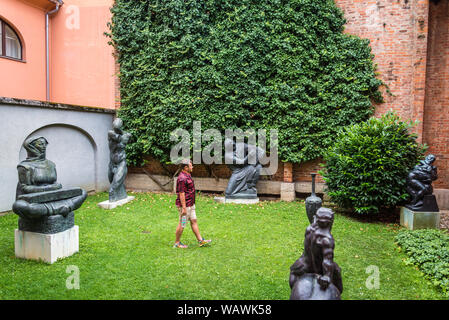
111 205
288 192
46 247
240 201
413 220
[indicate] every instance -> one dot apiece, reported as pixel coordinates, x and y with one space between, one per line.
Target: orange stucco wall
82 67
24 80
82 64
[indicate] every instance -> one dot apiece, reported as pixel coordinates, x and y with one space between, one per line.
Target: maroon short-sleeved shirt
185 184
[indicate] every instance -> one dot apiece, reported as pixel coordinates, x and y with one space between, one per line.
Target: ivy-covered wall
284 64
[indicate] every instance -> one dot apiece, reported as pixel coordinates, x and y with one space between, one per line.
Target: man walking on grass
185 189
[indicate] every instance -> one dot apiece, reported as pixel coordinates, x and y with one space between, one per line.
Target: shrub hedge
283 64
366 168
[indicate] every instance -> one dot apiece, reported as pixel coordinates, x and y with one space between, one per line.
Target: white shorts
191 214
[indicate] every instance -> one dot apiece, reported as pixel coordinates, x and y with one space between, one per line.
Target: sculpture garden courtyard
126 253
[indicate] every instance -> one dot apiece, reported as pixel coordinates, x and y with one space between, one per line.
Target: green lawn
127 253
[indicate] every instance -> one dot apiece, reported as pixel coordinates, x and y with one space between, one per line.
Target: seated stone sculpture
315 275
419 186
117 165
245 169
41 203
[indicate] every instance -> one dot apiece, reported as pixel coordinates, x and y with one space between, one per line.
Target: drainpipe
58 4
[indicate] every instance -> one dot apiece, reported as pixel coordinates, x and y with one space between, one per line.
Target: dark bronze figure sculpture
242 184
315 275
117 165
41 203
419 186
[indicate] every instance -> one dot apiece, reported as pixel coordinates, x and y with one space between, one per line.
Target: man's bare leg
195 229
179 230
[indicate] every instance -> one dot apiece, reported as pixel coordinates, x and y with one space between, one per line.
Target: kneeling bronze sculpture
244 161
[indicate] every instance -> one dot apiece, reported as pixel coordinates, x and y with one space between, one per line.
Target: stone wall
77 137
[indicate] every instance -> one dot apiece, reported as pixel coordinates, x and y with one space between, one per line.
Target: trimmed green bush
366 168
429 250
282 64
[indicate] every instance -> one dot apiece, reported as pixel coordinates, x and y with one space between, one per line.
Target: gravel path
444 219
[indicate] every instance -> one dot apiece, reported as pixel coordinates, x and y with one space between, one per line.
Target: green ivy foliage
366 168
271 64
429 250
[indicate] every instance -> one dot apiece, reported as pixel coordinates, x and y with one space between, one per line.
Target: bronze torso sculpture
245 174
315 275
117 164
41 203
419 186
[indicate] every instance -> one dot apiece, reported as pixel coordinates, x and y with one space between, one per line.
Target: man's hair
184 163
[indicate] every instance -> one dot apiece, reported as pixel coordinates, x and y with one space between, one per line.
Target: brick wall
153 166
397 30
410 40
436 116
302 172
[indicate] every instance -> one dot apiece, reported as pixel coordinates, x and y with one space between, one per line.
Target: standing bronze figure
315 275
419 186
117 165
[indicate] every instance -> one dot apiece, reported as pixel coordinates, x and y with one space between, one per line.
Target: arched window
10 45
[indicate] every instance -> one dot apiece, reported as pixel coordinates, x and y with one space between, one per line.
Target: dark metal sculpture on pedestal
42 205
117 165
315 275
313 203
419 186
245 169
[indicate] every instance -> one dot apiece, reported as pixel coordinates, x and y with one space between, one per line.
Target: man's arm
182 198
181 190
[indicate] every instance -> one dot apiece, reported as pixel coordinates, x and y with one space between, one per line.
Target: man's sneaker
203 242
180 245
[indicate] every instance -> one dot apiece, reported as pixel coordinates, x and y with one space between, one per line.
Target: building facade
58 81
81 63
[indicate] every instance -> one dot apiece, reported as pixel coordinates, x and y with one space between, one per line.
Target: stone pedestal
111 205
240 201
413 220
288 191
46 247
